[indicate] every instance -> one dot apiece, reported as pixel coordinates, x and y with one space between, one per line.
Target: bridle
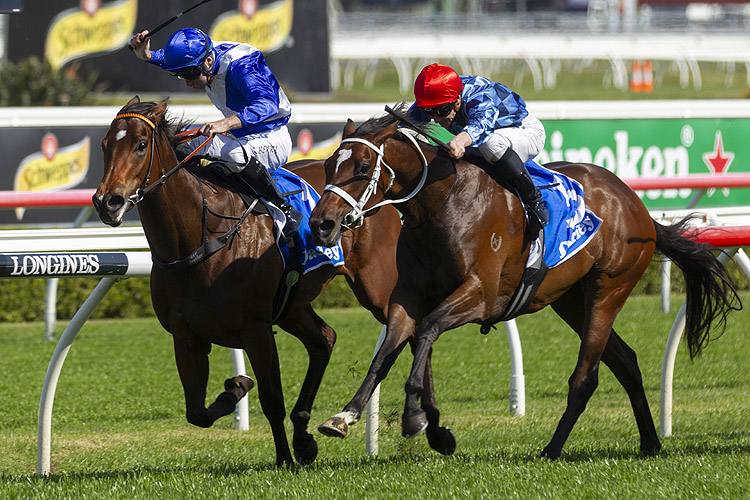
209 247
145 187
356 217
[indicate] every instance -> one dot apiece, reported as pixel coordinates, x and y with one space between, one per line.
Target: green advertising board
652 148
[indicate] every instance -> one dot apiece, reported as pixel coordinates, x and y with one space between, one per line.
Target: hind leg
621 359
318 338
192 366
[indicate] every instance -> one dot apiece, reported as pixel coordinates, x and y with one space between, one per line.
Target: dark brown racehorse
452 272
228 298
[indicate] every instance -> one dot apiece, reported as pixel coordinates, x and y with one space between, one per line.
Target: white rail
24 249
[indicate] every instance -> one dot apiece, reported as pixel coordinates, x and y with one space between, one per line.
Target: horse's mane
169 125
376 124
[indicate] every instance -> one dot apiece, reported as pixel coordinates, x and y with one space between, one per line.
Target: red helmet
436 84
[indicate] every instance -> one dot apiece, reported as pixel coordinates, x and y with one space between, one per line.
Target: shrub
24 299
33 82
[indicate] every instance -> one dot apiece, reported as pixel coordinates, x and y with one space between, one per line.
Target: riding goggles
189 73
441 111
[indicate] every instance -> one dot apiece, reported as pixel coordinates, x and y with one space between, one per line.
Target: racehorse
462 252
228 298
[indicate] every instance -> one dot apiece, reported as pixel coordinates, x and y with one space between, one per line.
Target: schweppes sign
75 33
53 169
267 29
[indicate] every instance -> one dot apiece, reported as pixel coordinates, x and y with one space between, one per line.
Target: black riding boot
259 179
510 168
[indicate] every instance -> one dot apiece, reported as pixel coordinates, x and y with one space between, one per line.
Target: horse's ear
157 112
134 100
348 128
386 133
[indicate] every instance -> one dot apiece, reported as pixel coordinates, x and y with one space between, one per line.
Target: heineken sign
653 148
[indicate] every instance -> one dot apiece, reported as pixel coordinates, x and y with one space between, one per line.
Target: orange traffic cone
648 77
636 77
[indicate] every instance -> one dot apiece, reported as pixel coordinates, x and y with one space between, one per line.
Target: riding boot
256 174
510 168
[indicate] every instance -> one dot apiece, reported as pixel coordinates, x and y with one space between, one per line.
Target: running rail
55 253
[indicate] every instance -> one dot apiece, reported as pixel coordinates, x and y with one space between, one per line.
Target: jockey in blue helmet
240 84
185 52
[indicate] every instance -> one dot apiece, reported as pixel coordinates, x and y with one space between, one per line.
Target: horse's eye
363 169
141 146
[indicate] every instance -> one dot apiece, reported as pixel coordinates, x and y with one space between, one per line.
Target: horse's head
130 158
353 175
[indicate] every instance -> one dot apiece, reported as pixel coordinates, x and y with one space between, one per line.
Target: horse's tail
710 293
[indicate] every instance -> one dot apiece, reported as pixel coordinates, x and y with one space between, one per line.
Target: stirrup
293 219
537 216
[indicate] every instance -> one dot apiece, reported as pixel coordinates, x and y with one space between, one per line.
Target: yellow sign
268 29
65 169
319 151
75 33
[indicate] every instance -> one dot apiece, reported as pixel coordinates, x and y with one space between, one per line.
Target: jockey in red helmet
240 84
493 119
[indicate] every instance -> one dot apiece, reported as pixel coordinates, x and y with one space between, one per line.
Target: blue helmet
186 47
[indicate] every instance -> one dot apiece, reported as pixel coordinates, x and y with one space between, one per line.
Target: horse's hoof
550 454
240 381
334 427
651 450
305 450
411 426
442 441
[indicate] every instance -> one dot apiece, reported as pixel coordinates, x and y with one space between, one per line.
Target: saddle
216 172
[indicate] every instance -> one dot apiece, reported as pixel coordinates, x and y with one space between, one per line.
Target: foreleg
400 327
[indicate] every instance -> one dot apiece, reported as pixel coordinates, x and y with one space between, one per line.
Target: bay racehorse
228 298
462 252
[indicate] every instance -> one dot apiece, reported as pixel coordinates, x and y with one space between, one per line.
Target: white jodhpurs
271 148
527 140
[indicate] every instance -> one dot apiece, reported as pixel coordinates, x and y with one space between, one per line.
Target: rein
356 217
145 188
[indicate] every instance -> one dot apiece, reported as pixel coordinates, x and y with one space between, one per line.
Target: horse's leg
260 346
192 366
602 300
622 360
318 338
400 327
457 309
441 439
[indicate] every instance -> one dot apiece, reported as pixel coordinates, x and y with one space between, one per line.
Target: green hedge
33 82
24 299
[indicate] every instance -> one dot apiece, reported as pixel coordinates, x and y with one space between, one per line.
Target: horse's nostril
322 227
114 202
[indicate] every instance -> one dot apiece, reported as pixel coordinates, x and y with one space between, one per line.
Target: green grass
119 429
